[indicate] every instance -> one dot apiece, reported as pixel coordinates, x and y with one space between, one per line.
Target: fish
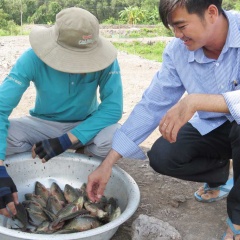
36 206
41 190
95 209
70 193
113 210
51 216
36 218
21 216
71 210
53 204
47 228
35 198
79 224
56 211
55 190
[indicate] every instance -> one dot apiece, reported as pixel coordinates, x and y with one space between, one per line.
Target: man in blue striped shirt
200 130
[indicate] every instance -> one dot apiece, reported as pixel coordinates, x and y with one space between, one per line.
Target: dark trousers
198 158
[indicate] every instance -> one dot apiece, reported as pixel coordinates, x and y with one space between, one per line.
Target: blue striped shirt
185 71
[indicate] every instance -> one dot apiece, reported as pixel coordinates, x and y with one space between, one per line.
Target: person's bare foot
83 150
229 234
206 195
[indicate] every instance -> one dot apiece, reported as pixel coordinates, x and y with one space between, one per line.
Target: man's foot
207 194
228 235
233 231
82 150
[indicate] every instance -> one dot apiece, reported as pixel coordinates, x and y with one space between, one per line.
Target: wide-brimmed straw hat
73 44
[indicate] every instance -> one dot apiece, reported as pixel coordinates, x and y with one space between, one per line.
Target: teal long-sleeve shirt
63 97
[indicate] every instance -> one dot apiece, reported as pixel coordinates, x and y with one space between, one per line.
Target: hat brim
65 60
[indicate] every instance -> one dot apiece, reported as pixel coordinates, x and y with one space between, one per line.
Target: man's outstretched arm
99 178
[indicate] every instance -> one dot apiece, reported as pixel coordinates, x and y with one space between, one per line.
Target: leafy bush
110 20
10 29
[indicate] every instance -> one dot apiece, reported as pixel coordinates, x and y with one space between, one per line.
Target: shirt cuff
233 103
126 147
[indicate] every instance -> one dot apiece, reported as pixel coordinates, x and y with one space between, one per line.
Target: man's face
195 32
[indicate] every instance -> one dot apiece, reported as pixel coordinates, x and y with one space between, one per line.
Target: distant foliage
14 13
44 11
231 4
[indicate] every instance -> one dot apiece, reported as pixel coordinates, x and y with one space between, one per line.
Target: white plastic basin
73 169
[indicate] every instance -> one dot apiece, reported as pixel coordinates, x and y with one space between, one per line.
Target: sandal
224 191
235 231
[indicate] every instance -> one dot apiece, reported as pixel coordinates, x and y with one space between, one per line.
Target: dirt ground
163 197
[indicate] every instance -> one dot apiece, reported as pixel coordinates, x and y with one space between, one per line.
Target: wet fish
70 193
21 216
41 190
71 210
80 223
36 206
56 211
83 187
36 218
47 228
54 205
55 190
95 209
43 228
113 210
35 198
51 216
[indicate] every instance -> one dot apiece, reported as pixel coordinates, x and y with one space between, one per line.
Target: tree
152 17
39 16
229 4
237 6
52 10
15 9
132 15
3 19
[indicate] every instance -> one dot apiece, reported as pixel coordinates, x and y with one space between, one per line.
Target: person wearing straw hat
68 63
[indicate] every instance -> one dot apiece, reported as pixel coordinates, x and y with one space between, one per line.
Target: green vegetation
107 11
114 11
158 30
14 14
151 51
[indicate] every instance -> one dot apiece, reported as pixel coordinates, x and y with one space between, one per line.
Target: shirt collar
232 41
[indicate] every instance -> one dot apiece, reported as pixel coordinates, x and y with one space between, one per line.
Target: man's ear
212 13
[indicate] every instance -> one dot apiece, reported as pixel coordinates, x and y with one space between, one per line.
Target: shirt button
217 64
72 83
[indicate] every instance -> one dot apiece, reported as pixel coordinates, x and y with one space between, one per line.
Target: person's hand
52 147
175 118
8 194
99 178
97 182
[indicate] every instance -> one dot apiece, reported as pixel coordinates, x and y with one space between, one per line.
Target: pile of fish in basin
60 185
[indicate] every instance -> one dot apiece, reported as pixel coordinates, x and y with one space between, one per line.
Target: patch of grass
148 51
157 31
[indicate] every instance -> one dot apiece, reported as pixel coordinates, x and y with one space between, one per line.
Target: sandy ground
163 197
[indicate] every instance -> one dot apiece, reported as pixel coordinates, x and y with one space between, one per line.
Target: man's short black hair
192 6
